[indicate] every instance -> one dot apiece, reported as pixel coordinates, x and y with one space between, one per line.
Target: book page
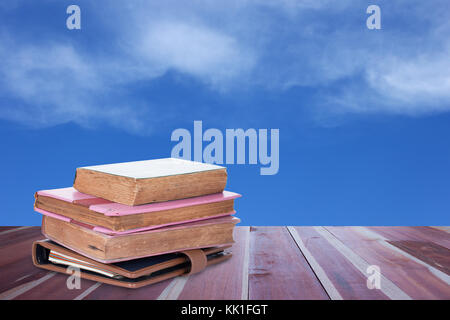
154 168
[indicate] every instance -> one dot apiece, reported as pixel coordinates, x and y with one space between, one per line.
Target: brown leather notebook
132 273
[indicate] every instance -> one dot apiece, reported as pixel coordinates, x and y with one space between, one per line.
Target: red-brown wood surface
106 291
18 236
277 268
267 263
429 252
426 234
411 277
344 276
228 276
54 288
5 228
16 266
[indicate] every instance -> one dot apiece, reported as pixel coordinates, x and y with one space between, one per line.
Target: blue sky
363 114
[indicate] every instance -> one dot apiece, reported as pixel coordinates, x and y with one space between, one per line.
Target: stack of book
136 223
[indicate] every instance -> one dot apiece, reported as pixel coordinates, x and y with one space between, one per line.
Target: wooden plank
54 288
13 236
16 267
425 234
17 250
429 252
225 280
174 289
414 259
443 228
334 270
416 280
106 291
277 268
387 286
19 272
16 291
385 242
88 291
6 228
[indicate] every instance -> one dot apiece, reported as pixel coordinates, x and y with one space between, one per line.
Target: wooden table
267 263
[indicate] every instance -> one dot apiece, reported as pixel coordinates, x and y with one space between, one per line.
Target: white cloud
50 84
228 46
418 82
406 73
197 50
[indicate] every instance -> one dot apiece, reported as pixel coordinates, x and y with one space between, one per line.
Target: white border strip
17 291
383 241
88 291
245 264
387 286
174 289
13 230
331 290
441 228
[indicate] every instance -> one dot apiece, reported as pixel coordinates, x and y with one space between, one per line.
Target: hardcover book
141 182
107 248
110 217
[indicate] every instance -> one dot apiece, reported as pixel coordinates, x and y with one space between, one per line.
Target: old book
113 248
141 182
131 274
105 215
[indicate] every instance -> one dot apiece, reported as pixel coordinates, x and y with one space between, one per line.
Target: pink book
107 217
